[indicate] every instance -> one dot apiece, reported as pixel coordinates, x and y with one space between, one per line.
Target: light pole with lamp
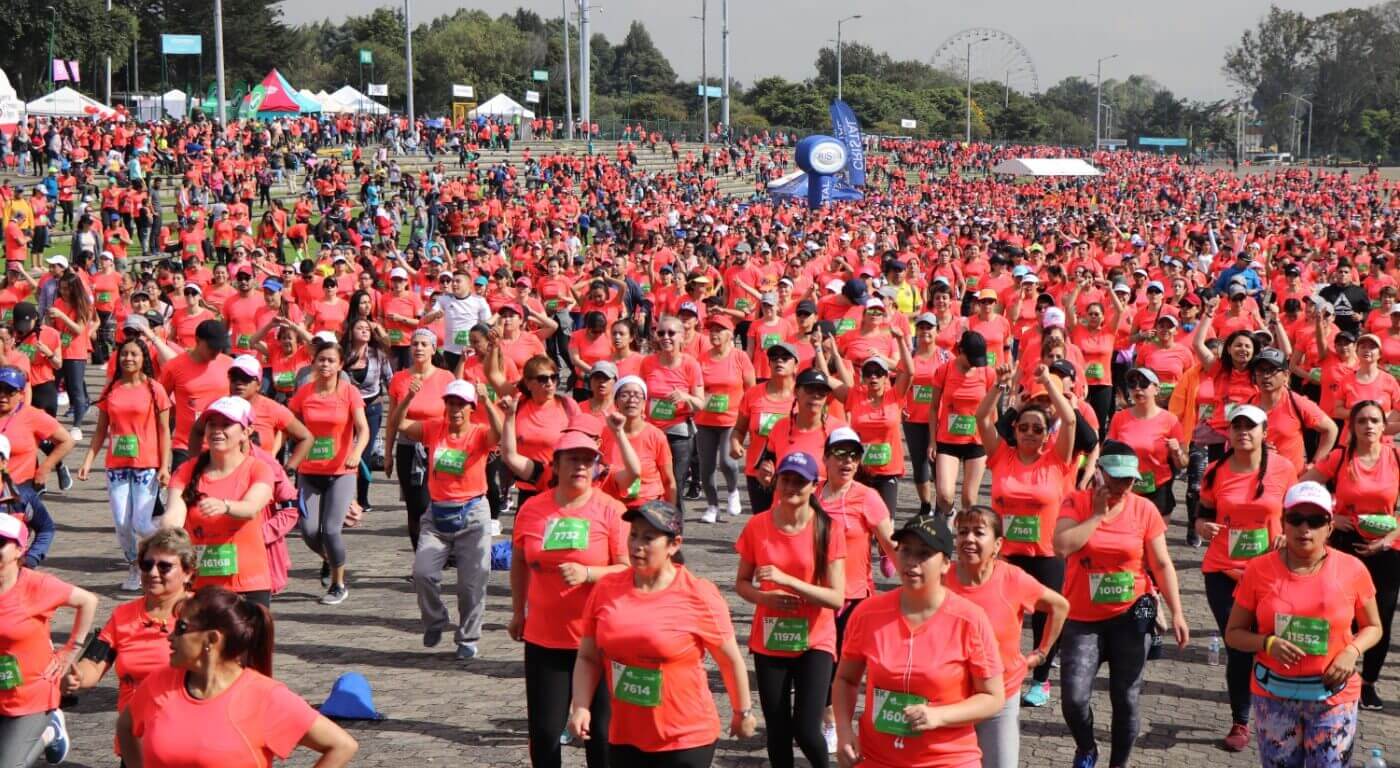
839 22
408 62
1098 98
969 85
1297 122
704 71
219 60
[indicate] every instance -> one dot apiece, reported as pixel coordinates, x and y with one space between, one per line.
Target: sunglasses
546 378
1139 384
665 334
163 566
846 454
182 627
1311 521
873 373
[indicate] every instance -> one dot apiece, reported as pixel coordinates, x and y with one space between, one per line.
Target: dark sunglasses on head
182 626
1311 521
163 566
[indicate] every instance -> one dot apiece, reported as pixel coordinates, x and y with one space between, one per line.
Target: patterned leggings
1303 734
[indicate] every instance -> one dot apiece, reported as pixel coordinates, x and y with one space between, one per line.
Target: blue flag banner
846 129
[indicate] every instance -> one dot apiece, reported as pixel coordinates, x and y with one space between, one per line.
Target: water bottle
1214 657
1377 759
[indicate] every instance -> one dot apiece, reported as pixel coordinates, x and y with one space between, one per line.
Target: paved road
441 712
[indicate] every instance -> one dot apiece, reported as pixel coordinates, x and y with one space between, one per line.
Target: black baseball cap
1269 356
812 377
806 306
660 515
1064 369
931 531
974 347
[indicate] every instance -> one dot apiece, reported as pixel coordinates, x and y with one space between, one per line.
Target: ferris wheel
997 57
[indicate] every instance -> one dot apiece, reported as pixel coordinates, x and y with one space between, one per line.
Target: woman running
726 374
675 384
761 408
1095 334
411 460
648 444
369 367
26 428
958 387
1155 434
875 407
541 415
805 429
72 314
927 358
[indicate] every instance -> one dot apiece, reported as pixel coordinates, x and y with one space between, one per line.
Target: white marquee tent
11 108
353 101
330 105
177 103
1046 166
66 102
502 105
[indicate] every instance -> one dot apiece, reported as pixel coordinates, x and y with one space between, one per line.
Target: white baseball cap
463 390
398 273
843 435
1246 411
1053 317
58 261
249 365
1308 492
235 409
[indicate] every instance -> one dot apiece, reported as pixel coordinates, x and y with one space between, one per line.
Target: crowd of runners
584 361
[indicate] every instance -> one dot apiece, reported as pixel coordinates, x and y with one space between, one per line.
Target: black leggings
1384 568
415 492
843 617
1239 665
1100 398
549 677
792 694
916 435
626 756
760 495
1050 572
888 488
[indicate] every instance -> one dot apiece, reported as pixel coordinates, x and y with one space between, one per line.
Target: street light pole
219 59
408 60
839 22
568 79
704 71
1098 98
108 90
724 67
585 68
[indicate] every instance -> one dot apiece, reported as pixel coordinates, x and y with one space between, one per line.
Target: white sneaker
495 528
76 433
133 579
829 733
711 515
736 507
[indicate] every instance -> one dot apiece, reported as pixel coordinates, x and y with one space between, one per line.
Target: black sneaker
325 573
335 595
1370 699
692 493
1193 540
431 638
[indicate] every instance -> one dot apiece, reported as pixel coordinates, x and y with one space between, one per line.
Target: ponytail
821 530
258 651
191 493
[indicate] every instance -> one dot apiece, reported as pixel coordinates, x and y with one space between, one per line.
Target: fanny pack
449 518
1309 688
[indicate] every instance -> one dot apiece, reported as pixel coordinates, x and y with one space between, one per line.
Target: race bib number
284 381
450 461
104 297
742 305
29 350
636 685
962 424
1146 484
1309 634
717 404
218 560
1166 390
1023 528
889 711
766 422
769 339
1206 411
65 339
1248 543
552 306
244 341
991 358
566 533
785 634
877 455
663 410
844 326
1115 587
922 394
395 336
10 677
1394 370
125 446
322 449
462 338
1376 525
1094 371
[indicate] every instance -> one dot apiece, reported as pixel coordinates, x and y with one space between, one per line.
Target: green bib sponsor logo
1146 484
450 461
923 394
65 339
1094 371
844 326
552 306
1376 525
566 533
322 449
1166 389
462 338
1315 375
785 634
635 489
10 677
1308 633
395 336
766 422
1248 543
1206 411
125 446
743 305
218 560
991 358
769 339
104 297
284 381
663 410
244 341
1116 587
877 455
1394 370
1023 528
717 404
29 350
962 424
889 711
636 685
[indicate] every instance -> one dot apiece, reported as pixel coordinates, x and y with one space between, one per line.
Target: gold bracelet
1269 644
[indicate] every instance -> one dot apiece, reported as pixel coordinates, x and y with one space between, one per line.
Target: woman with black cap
761 408
957 389
646 631
930 663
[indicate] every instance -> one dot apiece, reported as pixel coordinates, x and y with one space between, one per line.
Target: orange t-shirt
456 465
764 411
231 550
856 513
1366 496
26 647
1148 439
591 534
724 387
1312 611
330 419
936 662
132 411
537 429
810 627
1028 498
661 381
880 426
26 427
193 386
653 451
255 720
661 636
269 418
1287 419
785 438
1108 574
76 346
959 394
1251 523
1006 597
41 370
918 401
141 645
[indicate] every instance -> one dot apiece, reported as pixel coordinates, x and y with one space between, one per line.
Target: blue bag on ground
351 699
500 556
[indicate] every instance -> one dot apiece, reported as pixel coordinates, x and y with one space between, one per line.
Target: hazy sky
1179 43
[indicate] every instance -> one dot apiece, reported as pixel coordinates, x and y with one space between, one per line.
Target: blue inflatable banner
846 129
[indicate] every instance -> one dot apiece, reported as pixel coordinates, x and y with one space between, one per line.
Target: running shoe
736 506
133 579
1039 696
495 528
692 492
57 750
431 638
710 515
325 573
829 734
65 478
1370 699
335 595
1237 740
466 651
77 434
1086 759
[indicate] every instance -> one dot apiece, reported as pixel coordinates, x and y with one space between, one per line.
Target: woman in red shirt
1155 433
1294 612
334 413
652 624
409 459
1365 474
73 316
564 541
648 445
136 638
958 386
1006 593
930 662
875 407
134 411
541 415
726 373
927 358
30 667
1110 538
179 716
675 384
1095 336
792 568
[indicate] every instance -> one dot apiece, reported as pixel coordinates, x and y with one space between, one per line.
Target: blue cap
272 284
13 378
1019 270
481 280
801 464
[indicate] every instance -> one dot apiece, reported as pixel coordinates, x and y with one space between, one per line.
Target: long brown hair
245 625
